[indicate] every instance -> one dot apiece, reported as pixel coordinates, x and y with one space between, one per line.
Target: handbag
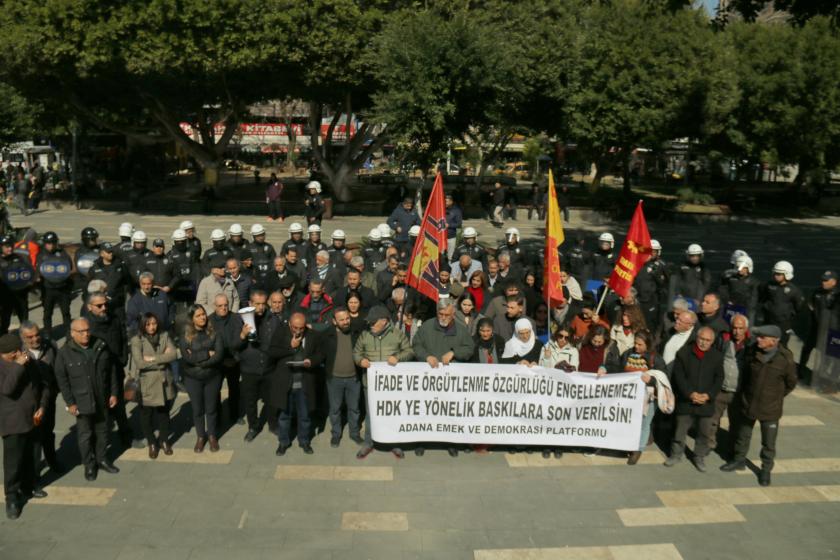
131 390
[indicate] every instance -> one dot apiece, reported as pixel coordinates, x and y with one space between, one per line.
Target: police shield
55 269
85 260
18 275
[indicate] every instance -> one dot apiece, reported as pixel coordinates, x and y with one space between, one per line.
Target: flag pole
603 297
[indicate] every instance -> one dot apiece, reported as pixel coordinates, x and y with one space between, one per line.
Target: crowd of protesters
315 316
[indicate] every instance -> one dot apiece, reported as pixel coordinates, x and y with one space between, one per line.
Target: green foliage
690 196
21 119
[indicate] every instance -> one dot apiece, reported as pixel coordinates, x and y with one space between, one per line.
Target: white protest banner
504 404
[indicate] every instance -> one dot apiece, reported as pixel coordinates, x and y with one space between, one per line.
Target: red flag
552 285
634 253
430 245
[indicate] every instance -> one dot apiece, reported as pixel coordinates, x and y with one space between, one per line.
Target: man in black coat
229 326
294 380
255 363
354 284
85 372
696 379
42 352
114 273
23 399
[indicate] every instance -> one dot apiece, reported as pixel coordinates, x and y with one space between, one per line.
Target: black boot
764 476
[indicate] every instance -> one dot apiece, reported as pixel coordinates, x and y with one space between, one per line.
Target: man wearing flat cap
215 283
23 400
381 342
769 377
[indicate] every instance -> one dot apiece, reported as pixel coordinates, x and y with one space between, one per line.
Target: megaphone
247 315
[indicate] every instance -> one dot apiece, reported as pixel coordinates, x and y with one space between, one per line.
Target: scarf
154 339
516 347
478 296
699 353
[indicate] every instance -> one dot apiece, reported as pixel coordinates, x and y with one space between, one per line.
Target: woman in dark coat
202 351
489 346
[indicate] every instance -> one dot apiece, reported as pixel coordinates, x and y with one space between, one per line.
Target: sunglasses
562 336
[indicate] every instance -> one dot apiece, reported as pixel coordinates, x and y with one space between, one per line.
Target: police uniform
314 209
185 271
218 248
578 262
117 277
263 254
475 251
310 250
55 268
17 278
691 281
236 249
651 285
194 245
603 263
373 255
337 257
299 246
163 269
779 305
517 255
740 291
138 262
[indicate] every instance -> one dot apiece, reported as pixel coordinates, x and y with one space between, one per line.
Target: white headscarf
514 346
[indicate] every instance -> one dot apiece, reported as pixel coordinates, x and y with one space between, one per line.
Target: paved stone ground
246 503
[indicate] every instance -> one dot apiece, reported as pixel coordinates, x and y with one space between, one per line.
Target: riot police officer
511 246
185 263
295 240
780 300
603 260
337 249
193 242
374 252
219 247
17 278
138 258
652 288
262 253
386 234
314 203
124 245
88 251
313 245
55 269
114 272
236 241
823 309
693 279
739 288
469 246
161 267
578 261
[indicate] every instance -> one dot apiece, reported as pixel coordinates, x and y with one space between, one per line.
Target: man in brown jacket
770 377
23 399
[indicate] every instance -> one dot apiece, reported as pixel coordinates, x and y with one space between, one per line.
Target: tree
790 103
21 119
631 80
143 68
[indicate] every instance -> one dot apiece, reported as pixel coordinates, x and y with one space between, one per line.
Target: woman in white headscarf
523 347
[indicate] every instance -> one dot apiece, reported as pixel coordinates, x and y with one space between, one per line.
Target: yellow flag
554 237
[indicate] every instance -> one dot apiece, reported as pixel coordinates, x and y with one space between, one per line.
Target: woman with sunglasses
202 351
559 352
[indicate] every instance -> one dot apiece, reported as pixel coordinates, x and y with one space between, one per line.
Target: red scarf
697 352
478 295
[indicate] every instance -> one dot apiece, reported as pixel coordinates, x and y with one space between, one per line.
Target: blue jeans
296 405
345 390
646 421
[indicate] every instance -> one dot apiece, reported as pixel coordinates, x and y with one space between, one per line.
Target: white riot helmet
295 228
694 249
338 234
510 233
314 185
414 231
179 235
607 238
655 245
125 229
375 235
217 235
469 232
138 237
235 229
186 225
737 254
257 229
314 228
784 267
384 230
746 262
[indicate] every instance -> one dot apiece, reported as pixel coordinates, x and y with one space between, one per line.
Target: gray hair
96 295
680 304
504 256
279 258
221 296
731 321
444 303
397 293
28 325
146 276
97 286
322 254
357 261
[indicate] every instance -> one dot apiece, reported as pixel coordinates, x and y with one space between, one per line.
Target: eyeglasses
562 336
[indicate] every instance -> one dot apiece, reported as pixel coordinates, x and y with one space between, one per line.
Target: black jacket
766 384
780 304
253 354
110 330
691 281
195 355
263 255
692 375
115 275
86 378
282 352
22 392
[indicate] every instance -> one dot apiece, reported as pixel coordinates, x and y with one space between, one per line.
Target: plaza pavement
244 502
